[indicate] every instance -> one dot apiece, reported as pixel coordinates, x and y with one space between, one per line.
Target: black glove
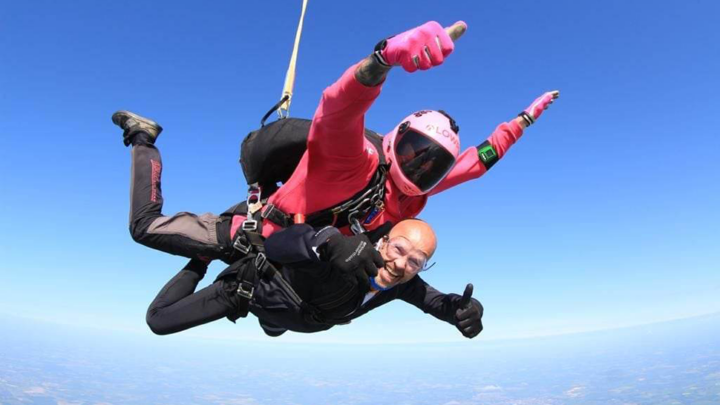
352 255
469 314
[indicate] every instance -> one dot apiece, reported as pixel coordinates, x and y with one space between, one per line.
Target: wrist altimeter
487 154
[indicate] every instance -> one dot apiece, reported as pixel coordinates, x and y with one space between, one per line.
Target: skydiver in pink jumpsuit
423 151
340 161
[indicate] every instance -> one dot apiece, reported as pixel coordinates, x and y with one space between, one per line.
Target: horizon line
337 342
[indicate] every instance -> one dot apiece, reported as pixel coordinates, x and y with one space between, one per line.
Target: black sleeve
297 244
431 301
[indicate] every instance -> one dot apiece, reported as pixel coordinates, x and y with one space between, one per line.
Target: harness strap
357 207
248 242
254 268
246 278
250 270
275 215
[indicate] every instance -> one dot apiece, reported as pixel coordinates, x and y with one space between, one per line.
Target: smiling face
405 251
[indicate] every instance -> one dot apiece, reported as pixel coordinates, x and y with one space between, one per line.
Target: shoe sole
120 118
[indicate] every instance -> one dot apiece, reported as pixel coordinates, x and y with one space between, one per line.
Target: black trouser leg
183 234
178 307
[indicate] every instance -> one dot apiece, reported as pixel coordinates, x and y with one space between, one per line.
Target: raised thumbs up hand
468 315
540 104
420 48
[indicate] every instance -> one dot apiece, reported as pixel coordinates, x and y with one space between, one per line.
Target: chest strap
350 212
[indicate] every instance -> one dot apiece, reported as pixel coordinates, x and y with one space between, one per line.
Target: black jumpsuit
334 298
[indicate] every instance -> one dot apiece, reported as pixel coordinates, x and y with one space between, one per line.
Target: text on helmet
447 133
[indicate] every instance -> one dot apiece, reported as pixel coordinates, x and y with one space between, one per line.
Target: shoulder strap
377 141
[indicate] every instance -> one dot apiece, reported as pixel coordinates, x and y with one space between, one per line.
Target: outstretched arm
338 124
370 72
476 161
431 301
464 312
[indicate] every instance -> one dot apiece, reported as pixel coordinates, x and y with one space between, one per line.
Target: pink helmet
422 150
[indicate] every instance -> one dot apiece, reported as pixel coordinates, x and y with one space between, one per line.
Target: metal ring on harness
355 225
254 194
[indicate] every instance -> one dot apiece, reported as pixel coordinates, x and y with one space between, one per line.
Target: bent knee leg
138 230
155 321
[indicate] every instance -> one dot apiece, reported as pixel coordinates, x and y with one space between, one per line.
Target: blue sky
603 215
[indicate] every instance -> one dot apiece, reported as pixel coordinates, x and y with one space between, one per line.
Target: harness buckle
245 292
250 225
238 245
254 194
260 261
254 199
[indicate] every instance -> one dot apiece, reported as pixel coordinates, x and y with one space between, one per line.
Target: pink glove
419 48
540 104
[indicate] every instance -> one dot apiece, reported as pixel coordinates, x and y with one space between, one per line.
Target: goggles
416 261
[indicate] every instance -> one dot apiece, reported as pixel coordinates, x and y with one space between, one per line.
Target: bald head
419 233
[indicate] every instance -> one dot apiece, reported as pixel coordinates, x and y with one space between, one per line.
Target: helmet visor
422 160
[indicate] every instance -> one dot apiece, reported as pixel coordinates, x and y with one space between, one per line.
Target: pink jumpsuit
339 161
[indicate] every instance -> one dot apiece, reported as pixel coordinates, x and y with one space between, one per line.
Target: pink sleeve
338 126
469 167
505 135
